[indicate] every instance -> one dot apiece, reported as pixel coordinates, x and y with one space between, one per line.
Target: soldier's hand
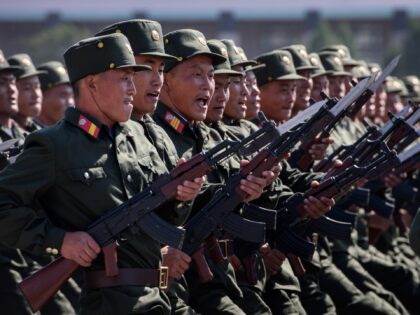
273 259
189 189
316 208
319 148
177 261
80 247
253 185
275 170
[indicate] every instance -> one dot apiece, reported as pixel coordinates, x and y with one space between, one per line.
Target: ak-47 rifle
219 212
137 213
370 147
301 157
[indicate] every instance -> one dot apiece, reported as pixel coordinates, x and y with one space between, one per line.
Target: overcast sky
11 9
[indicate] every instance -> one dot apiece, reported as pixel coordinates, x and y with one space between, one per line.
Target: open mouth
154 94
202 101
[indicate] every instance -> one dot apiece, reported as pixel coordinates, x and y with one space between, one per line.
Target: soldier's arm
20 184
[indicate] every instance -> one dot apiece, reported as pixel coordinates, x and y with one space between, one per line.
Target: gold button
117 30
54 251
48 250
86 175
180 58
166 41
100 45
129 178
112 66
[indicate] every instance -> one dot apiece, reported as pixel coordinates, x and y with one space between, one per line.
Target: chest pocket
152 165
87 175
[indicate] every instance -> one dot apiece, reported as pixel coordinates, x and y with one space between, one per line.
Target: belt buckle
224 246
163 278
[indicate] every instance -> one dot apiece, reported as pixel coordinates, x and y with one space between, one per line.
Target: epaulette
88 126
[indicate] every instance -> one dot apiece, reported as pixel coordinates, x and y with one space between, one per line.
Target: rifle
137 213
301 156
369 148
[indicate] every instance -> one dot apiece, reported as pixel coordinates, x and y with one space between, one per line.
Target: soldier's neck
6 121
23 121
135 115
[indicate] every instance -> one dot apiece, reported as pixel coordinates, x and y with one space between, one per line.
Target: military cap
145 36
394 85
235 56
4 64
278 66
185 44
343 52
374 67
218 47
317 64
25 64
253 67
300 57
412 83
56 74
99 54
361 71
332 63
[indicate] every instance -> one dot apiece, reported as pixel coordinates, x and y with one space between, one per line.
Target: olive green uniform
76 177
217 295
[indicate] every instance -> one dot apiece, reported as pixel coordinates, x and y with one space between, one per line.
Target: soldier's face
190 86
55 102
337 86
114 92
236 105
30 96
148 84
8 94
218 100
303 91
277 98
320 84
393 103
253 100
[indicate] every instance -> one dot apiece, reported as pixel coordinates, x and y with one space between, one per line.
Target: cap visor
231 73
32 73
245 63
290 77
159 54
10 68
253 68
351 62
306 68
341 74
135 67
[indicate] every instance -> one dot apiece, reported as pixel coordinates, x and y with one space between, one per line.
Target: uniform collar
230 122
85 122
172 118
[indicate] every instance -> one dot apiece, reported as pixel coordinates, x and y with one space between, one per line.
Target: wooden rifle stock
40 287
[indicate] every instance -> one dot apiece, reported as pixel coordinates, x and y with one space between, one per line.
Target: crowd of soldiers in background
371 276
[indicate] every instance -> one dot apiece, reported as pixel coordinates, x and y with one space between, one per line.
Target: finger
84 258
243 162
314 184
257 180
90 253
194 184
328 202
185 258
180 161
93 245
182 266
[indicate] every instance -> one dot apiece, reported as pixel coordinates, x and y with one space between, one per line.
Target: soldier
146 39
56 91
182 107
12 263
79 169
319 77
30 94
303 68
